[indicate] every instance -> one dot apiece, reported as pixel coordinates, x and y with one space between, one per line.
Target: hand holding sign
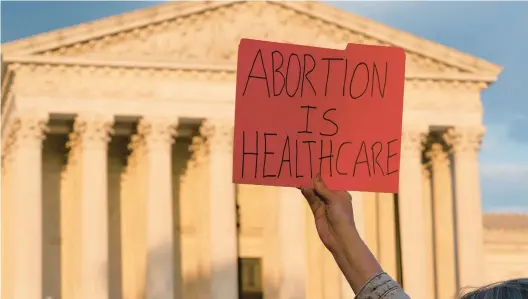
305 110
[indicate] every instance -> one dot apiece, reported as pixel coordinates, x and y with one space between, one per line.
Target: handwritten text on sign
305 110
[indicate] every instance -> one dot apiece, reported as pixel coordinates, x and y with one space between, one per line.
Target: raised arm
334 220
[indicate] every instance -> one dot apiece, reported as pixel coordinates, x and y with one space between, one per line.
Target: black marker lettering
276 70
310 154
286 145
306 73
363 149
297 160
244 153
322 157
266 153
352 80
328 71
389 155
307 117
375 156
291 95
265 77
329 120
375 72
337 158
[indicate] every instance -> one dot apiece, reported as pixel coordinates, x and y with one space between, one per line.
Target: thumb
321 189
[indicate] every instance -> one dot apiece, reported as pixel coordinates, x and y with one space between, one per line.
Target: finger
321 189
309 194
313 200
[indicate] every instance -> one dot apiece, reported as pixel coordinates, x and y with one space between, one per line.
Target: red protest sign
306 110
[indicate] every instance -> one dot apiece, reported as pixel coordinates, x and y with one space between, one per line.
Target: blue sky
495 31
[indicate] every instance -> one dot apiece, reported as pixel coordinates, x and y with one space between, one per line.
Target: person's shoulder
381 286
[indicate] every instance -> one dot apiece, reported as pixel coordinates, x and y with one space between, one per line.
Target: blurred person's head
511 289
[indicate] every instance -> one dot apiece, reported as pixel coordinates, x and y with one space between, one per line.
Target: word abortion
291 76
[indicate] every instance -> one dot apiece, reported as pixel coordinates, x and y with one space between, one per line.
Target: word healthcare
305 110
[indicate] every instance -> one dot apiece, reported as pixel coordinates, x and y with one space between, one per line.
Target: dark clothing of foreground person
334 220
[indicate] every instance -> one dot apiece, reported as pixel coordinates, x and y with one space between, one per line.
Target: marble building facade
117 160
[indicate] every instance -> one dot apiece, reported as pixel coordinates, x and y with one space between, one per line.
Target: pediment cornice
52 62
154 31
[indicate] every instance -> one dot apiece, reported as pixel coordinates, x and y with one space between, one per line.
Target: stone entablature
69 88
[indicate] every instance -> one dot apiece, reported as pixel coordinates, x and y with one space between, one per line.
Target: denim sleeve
382 286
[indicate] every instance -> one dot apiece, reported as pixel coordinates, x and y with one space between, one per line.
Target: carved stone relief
212 36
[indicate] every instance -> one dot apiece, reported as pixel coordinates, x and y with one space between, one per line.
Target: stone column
25 206
292 244
222 207
387 234
358 203
314 255
71 221
127 256
133 220
93 132
372 221
271 258
443 223
197 182
414 251
187 232
194 223
465 142
158 136
428 228
7 230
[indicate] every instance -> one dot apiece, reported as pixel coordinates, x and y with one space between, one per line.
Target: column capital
465 139
218 132
437 155
92 130
413 138
135 143
27 129
72 145
8 142
135 149
158 132
199 150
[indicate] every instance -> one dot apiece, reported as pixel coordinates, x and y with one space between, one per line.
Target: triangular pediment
209 33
